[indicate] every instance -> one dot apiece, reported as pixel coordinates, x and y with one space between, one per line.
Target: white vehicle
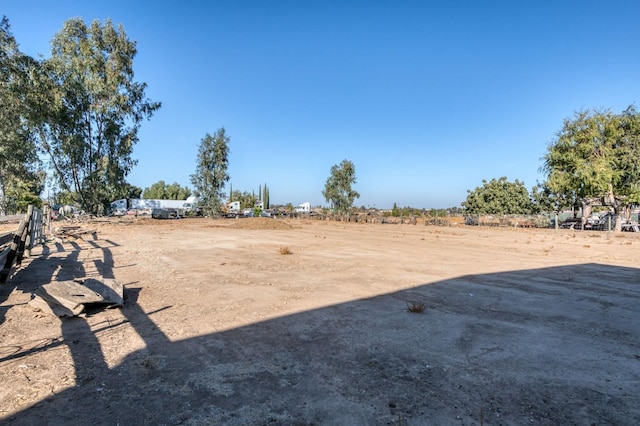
145 206
233 209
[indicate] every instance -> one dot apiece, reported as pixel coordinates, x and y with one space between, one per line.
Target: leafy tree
19 164
628 156
544 200
177 192
337 189
498 197
130 191
211 171
247 200
23 193
595 160
88 110
161 191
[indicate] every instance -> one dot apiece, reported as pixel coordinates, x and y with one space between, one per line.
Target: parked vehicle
138 206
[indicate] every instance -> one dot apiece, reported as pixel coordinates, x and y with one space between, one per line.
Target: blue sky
426 98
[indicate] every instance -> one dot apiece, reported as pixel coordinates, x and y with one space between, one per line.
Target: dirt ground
266 321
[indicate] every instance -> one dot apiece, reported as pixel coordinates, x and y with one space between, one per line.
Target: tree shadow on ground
543 346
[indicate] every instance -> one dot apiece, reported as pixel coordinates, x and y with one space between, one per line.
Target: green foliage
22 194
247 200
545 200
580 162
257 211
87 110
19 175
403 212
130 191
64 198
161 191
265 196
595 158
627 151
337 189
211 171
498 197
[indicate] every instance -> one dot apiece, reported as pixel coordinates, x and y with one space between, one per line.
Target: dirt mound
254 223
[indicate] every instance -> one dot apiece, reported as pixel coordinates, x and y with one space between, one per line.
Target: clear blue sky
426 98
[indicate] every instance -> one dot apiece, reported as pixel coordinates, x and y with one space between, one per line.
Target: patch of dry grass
416 307
285 250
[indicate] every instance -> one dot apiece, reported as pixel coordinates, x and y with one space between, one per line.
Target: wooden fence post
29 235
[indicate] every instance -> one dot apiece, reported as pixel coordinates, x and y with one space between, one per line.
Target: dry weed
416 307
285 250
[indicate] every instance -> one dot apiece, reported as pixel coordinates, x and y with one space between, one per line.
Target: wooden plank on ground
70 298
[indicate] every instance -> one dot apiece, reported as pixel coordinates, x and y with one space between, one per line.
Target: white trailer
303 208
141 205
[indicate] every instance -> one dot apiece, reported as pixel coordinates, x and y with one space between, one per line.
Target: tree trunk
586 212
611 200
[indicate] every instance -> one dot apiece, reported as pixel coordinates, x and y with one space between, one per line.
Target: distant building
303 208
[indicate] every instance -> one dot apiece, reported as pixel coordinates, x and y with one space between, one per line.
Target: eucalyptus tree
20 179
211 173
338 188
88 109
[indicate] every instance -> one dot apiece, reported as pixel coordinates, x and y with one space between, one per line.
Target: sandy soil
221 326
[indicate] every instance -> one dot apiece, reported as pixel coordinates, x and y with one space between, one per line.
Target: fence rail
15 245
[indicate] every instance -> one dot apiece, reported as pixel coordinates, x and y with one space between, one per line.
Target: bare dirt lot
221 326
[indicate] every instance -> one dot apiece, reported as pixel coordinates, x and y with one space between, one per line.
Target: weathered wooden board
70 298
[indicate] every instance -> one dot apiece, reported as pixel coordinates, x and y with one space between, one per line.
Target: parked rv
138 206
233 210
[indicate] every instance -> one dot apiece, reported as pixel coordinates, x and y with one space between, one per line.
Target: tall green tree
211 173
498 196
20 178
395 211
338 188
595 160
265 196
89 109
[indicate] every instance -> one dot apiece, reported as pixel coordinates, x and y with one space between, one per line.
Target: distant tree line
594 160
161 191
